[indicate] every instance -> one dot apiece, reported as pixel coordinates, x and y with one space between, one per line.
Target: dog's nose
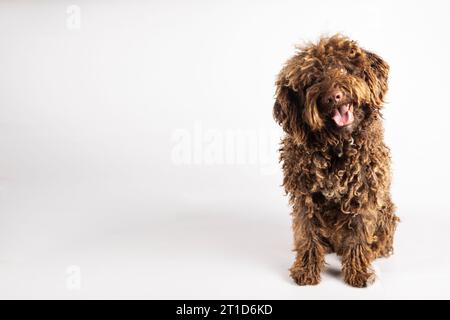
333 95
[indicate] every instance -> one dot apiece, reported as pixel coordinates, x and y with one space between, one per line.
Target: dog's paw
304 277
360 279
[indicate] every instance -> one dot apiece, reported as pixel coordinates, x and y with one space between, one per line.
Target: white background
90 125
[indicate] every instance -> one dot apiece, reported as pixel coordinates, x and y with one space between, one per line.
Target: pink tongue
342 115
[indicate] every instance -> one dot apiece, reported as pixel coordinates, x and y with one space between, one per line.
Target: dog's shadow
333 271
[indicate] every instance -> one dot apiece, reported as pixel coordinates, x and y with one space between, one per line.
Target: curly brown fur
336 165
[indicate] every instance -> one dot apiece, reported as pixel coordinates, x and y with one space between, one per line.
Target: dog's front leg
357 254
310 260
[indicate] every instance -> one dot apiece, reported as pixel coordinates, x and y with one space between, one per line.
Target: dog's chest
341 167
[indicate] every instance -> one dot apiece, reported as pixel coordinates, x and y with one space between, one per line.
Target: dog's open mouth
343 115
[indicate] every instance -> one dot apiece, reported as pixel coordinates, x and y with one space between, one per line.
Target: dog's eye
306 87
354 53
310 81
350 70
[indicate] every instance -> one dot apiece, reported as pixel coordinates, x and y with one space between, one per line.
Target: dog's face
332 85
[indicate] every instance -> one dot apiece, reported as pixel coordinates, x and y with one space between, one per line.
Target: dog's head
332 85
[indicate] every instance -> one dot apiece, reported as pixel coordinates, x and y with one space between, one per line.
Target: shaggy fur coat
336 165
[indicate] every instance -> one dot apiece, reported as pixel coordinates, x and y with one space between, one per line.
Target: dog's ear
288 109
377 78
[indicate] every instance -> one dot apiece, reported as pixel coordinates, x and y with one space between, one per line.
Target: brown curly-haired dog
335 163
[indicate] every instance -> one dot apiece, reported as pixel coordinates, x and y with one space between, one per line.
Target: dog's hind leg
384 234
